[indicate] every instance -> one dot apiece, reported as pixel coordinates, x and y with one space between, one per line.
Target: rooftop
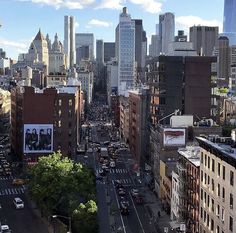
192 154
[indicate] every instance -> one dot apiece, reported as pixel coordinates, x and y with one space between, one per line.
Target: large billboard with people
174 137
38 138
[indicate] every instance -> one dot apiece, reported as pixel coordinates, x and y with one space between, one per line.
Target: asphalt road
110 218
21 220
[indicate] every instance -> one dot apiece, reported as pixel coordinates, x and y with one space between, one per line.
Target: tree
84 218
56 181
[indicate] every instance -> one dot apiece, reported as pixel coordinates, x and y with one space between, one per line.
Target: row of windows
70 102
69 113
211 224
221 172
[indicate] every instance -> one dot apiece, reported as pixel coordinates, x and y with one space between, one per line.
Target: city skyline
98 17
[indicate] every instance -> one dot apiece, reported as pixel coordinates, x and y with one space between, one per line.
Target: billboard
174 137
38 138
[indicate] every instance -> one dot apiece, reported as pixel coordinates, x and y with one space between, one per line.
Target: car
18 182
112 164
138 200
118 184
124 209
121 192
19 204
134 192
5 229
105 167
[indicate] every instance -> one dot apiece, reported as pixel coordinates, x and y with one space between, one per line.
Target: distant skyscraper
229 27
204 39
154 47
125 44
85 39
109 51
69 39
100 51
82 53
140 43
166 31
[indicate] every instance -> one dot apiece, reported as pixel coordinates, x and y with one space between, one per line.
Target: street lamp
65 217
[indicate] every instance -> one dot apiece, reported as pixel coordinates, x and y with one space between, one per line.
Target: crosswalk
12 191
7 177
117 170
123 181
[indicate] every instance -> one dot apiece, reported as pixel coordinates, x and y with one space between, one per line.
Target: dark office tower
109 51
181 37
182 83
224 61
82 53
204 39
140 39
100 51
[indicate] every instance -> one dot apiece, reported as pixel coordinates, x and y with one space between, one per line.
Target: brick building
35 112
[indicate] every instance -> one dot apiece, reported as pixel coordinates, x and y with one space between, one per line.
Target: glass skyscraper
125 40
229 26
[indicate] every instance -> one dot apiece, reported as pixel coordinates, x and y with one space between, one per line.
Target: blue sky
21 19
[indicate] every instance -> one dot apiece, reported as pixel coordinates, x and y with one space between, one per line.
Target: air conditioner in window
231 207
223 221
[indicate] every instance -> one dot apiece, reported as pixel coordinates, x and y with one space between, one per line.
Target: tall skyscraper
204 39
85 39
100 51
125 44
166 31
69 39
109 51
154 48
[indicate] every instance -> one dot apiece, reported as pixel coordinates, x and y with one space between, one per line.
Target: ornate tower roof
39 36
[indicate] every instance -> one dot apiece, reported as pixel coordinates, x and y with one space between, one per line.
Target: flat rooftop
192 154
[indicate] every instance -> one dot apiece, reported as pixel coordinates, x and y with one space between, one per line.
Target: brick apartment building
56 111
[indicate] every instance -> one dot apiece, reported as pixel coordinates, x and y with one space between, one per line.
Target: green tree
85 218
57 181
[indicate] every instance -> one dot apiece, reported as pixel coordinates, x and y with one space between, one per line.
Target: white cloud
111 4
76 24
9 44
188 21
98 23
71 4
151 6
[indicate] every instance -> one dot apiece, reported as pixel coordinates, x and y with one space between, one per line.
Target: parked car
18 182
118 184
121 192
124 209
5 229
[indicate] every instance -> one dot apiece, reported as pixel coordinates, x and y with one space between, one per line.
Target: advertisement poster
38 138
174 137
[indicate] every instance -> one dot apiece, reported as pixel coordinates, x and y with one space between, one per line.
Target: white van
19 204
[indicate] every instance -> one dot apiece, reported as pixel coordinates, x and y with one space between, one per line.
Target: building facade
204 39
217 184
45 120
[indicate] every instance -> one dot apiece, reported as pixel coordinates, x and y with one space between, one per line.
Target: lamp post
65 217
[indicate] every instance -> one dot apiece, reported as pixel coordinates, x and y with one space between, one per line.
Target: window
231 201
205 197
212 185
209 162
208 220
70 113
218 190
231 224
223 214
59 123
212 225
201 194
218 229
201 157
69 124
205 160
213 165
218 211
208 180
59 102
70 102
204 216
201 213
59 113
208 201
212 206
218 169
223 172
232 178
205 178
